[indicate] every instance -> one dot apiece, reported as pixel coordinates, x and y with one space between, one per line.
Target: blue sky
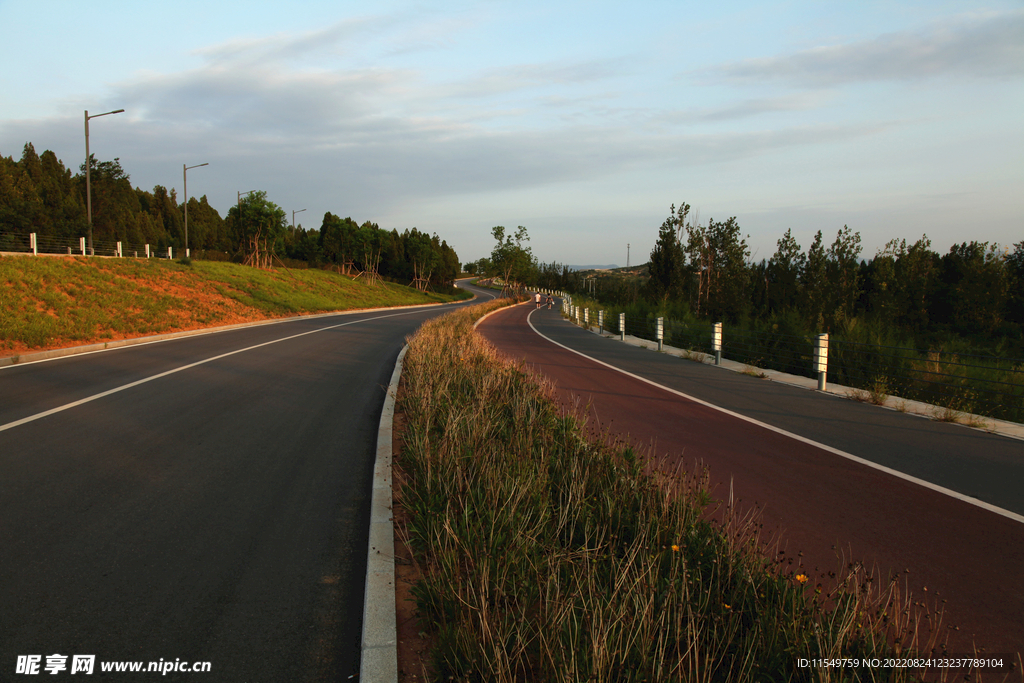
583 121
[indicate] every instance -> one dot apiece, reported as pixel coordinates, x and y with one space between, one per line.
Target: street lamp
184 175
239 226
88 188
240 203
293 218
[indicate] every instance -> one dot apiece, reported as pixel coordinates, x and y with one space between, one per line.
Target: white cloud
991 46
744 109
334 40
508 79
564 140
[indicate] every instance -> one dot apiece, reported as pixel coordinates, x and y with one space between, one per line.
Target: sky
583 121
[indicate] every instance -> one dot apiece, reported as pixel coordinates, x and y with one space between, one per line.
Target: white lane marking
88 399
849 456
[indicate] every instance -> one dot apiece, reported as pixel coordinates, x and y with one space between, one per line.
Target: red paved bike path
947 549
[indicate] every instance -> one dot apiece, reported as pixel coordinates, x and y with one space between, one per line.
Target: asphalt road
213 507
950 553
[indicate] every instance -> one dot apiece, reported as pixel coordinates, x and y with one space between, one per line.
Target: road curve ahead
968 559
197 500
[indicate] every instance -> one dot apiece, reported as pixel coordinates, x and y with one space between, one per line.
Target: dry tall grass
547 557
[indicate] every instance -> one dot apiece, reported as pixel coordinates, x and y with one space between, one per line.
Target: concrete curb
380 639
496 310
380 631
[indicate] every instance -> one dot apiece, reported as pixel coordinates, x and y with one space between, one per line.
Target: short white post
170 253
586 317
600 321
622 327
821 360
716 343
147 251
32 243
119 252
81 245
188 253
661 334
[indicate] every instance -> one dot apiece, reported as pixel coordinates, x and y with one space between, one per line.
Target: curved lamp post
88 188
184 175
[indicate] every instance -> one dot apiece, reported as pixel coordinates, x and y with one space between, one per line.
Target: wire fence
18 243
957 382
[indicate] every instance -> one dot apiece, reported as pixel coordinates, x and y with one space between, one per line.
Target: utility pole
184 179
627 254
88 187
240 193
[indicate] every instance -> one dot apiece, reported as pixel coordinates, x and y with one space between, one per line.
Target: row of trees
413 256
514 265
39 194
975 290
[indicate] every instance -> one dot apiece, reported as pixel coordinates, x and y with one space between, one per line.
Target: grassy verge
547 557
54 302
862 357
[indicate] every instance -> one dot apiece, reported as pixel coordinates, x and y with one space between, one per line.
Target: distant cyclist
551 301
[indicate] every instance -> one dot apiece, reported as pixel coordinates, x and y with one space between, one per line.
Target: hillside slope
54 302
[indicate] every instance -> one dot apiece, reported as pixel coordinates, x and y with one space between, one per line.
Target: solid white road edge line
88 399
849 456
115 344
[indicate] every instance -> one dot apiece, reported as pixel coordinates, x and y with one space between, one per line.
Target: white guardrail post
821 360
81 245
661 334
33 244
622 327
600 321
716 343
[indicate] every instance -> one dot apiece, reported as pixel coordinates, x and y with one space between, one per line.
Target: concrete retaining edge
380 640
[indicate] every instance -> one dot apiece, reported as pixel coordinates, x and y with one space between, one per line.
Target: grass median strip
547 556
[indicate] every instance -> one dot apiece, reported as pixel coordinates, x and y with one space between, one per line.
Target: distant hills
610 267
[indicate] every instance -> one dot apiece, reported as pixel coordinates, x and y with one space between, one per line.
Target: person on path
536 299
551 301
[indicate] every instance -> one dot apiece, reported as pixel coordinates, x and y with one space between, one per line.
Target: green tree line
39 194
905 293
